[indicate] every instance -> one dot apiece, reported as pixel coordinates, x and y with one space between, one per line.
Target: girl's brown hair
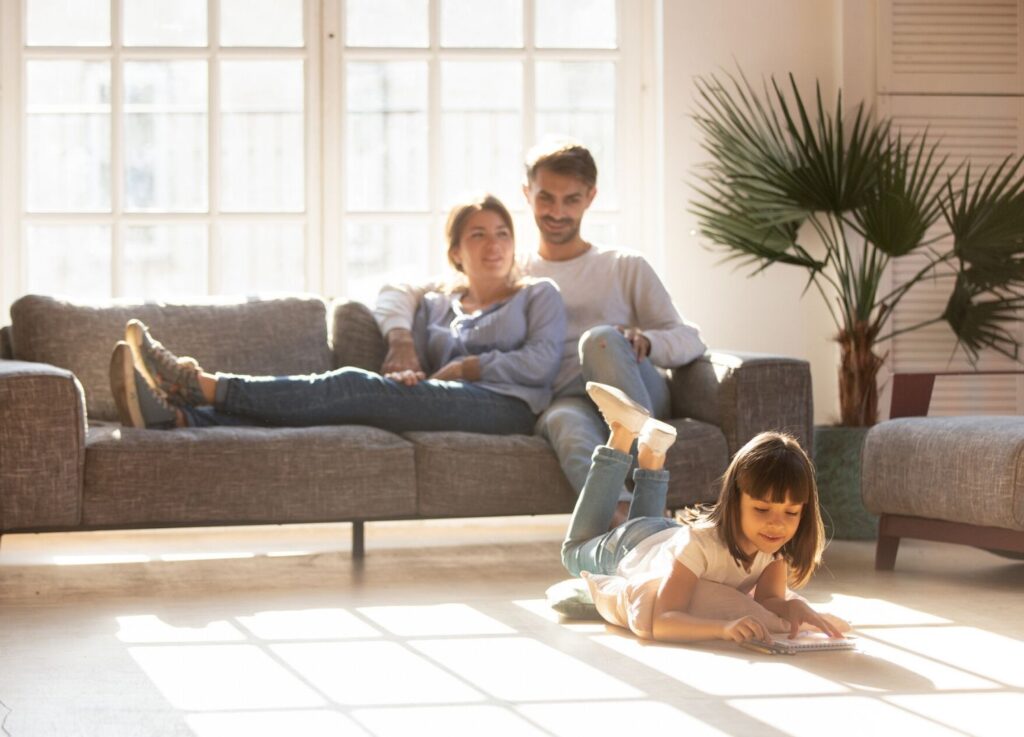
773 467
456 225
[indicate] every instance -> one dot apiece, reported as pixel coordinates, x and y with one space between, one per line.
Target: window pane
481 128
386 23
262 136
262 257
577 99
69 260
67 22
67 131
164 261
386 149
165 135
382 253
261 23
160 23
574 24
466 23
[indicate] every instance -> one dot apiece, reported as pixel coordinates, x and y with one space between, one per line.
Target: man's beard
560 237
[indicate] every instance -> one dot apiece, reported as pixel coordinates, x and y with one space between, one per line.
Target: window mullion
12 111
434 123
117 152
529 127
333 127
213 157
312 125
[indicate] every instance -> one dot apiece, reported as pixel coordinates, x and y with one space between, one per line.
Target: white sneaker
658 436
617 407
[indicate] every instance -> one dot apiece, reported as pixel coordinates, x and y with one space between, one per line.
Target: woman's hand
799 611
408 377
745 628
401 356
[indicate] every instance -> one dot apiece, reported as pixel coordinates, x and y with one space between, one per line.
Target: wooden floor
273 631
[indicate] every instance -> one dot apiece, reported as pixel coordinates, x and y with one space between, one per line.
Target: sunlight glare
521 669
725 671
980 715
450 721
617 717
308 723
434 620
976 651
865 612
99 560
226 555
542 609
374 673
222 677
151 628
308 624
846 716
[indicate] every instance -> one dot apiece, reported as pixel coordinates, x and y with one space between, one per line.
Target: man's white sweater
599 287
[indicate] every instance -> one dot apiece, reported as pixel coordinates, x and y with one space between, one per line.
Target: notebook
802 643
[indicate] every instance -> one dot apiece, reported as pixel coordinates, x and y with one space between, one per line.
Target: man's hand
640 342
451 371
401 355
409 378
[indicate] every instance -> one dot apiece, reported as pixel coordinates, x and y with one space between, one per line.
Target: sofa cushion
461 474
357 339
959 469
273 336
251 475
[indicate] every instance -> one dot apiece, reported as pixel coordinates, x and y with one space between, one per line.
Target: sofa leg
885 551
358 540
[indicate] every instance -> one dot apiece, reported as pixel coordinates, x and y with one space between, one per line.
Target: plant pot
837 459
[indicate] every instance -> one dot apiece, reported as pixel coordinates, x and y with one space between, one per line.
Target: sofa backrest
257 336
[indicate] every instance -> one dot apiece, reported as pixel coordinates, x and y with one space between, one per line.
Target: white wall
764 313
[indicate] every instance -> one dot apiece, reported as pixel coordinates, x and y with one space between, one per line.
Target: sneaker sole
597 390
122 384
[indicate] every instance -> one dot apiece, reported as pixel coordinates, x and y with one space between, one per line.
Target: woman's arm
771 594
672 623
536 361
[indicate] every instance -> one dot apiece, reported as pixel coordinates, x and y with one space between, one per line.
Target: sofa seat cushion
696 463
462 474
245 475
274 337
958 469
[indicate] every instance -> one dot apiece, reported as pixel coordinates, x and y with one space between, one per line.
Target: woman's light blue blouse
519 341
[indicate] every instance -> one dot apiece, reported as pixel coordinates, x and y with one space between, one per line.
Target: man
622 322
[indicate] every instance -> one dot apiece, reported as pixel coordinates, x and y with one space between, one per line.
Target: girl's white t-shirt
700 549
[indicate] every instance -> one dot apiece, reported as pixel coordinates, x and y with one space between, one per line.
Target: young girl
764 532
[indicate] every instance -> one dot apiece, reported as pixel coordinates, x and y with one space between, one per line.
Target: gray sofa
66 464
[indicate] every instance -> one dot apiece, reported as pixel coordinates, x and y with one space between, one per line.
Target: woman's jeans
352 396
588 545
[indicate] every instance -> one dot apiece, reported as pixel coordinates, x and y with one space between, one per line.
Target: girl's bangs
778 483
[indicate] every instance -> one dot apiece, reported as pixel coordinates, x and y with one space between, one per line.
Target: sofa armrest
744 394
6 343
42 446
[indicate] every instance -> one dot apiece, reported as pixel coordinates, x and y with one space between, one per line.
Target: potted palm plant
781 170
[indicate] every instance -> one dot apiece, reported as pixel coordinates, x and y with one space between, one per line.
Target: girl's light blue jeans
352 396
588 545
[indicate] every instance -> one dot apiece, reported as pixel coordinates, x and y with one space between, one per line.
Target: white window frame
325 54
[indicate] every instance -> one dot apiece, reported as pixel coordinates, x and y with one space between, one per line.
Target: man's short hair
563 156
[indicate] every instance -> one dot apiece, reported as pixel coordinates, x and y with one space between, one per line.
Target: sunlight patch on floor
449 721
149 628
318 723
977 714
435 620
573 719
308 624
724 672
865 612
846 716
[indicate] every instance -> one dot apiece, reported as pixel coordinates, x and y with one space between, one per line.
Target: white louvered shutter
947 46
950 46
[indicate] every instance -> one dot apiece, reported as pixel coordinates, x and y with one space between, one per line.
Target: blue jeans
588 545
351 396
572 424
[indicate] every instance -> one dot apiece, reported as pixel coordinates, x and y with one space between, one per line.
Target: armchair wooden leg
885 551
358 540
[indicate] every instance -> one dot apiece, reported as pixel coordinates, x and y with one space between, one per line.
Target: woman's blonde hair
771 467
456 225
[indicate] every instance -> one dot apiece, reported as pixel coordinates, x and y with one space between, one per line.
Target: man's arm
396 307
672 340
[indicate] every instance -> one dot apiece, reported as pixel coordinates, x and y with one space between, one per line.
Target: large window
178 149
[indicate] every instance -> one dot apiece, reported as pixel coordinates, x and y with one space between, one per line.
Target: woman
490 343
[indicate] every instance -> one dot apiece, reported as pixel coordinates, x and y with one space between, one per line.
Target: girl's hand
745 628
798 612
